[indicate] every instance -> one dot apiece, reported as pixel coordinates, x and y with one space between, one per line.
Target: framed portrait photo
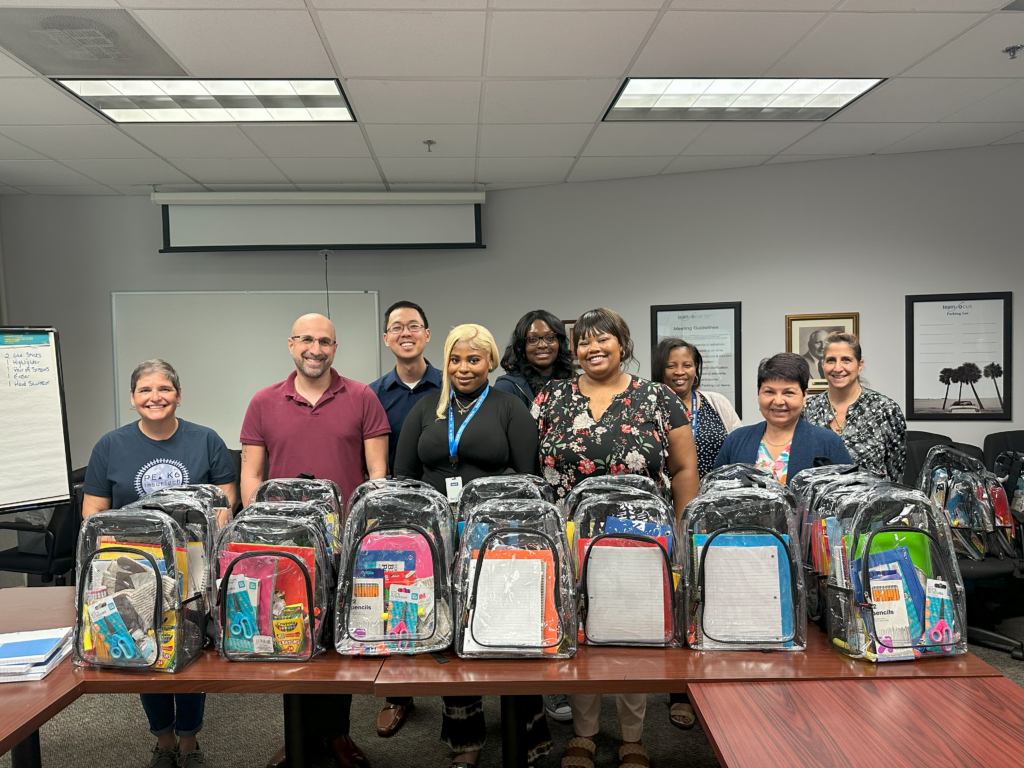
959 357
805 336
715 330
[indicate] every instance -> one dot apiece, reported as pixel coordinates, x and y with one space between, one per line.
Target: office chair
971 450
913 436
986 579
61 539
998 442
917 450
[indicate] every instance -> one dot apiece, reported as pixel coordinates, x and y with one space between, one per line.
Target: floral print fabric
778 467
631 437
875 432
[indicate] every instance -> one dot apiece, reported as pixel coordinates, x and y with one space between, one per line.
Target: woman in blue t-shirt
159 451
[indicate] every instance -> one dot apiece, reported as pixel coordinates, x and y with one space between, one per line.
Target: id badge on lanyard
453 485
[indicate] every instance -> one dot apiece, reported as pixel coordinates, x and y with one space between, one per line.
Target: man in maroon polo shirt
323 424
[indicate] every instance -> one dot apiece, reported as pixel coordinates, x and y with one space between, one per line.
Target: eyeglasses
535 341
308 341
397 328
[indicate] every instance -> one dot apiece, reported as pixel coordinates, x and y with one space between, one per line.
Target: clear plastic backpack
733 472
390 482
323 493
953 481
745 587
596 486
394 594
476 492
273 578
514 590
212 495
808 482
134 610
914 605
630 568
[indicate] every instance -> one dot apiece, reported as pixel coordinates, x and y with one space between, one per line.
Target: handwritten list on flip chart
33 453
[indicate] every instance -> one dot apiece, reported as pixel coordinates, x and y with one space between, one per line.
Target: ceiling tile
235 170
918 99
580 44
84 189
400 101
852 138
38 173
61 3
801 158
979 6
954 136
216 4
596 168
241 43
560 140
1017 138
547 101
128 171
146 189
708 163
78 142
752 138
407 140
978 52
252 187
308 140
396 43
1005 106
498 186
5 190
870 44
194 140
754 5
642 138
10 68
433 187
696 44
36 102
579 5
441 169
453 5
11 150
498 169
328 170
342 187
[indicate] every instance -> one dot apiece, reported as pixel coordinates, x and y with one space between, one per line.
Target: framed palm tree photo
959 357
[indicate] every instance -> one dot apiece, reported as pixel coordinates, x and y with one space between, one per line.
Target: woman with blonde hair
470 430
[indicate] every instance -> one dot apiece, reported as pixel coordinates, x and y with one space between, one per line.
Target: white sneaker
557 707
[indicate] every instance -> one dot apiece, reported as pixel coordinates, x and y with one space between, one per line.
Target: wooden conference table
749 703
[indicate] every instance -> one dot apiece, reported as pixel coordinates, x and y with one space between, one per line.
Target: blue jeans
179 713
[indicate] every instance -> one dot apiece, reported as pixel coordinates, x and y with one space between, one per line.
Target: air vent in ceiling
1016 5
83 42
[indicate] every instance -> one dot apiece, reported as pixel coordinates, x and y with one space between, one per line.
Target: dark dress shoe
348 753
391 717
277 760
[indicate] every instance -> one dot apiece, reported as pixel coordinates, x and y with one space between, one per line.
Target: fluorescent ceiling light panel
727 98
214 101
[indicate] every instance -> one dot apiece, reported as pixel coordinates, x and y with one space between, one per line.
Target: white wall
832 236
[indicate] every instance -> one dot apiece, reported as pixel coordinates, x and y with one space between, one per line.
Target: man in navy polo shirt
406 333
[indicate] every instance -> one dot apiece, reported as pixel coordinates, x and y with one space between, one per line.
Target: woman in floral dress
609 422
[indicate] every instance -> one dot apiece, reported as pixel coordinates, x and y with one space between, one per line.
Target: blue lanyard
693 410
453 437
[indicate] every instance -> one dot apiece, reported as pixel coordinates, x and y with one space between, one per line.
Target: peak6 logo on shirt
160 473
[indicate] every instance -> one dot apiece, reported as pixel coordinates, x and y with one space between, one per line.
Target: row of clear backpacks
508 574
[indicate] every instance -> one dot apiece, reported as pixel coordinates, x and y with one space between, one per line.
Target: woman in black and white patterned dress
871 425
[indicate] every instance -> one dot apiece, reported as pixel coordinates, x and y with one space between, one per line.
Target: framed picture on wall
959 357
716 331
805 335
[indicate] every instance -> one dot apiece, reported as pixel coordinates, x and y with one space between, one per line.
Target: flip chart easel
35 454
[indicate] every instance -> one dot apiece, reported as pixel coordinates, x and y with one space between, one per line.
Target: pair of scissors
941 633
885 645
120 648
400 632
241 626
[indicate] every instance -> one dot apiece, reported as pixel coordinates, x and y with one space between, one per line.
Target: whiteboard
35 457
226 345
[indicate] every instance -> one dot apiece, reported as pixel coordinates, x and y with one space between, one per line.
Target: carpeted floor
242 731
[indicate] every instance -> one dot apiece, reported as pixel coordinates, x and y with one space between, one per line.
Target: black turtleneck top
502 436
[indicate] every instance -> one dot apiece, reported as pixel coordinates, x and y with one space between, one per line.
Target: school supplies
18 673
33 647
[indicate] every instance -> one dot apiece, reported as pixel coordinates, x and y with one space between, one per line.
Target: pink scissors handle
941 633
885 645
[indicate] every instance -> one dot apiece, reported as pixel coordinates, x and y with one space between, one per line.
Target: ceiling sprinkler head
429 143
1013 50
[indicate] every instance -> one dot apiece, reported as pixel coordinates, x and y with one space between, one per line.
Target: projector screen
312 227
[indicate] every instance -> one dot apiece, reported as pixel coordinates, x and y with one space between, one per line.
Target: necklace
463 410
835 415
777 445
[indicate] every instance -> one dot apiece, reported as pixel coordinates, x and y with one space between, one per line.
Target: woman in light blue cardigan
783 442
